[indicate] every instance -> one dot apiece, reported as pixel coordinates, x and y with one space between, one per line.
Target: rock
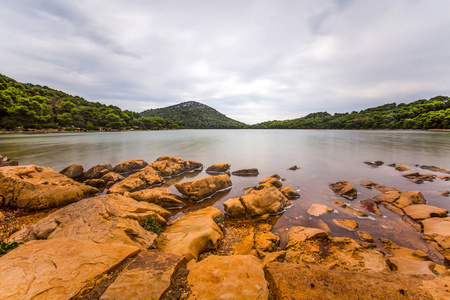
192 234
401 198
97 171
344 189
418 178
58 268
102 219
392 165
351 225
99 184
365 236
367 184
245 246
160 196
340 203
144 178
228 277
270 181
356 212
7 162
374 164
204 187
256 203
413 224
2 216
423 211
393 208
371 206
402 168
34 187
218 168
246 172
169 166
130 165
319 209
294 168
277 256
435 169
265 240
445 178
148 276
385 189
445 193
292 281
289 193
438 229
73 171
111 178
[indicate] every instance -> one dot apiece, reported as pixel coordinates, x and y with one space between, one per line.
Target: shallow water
324 156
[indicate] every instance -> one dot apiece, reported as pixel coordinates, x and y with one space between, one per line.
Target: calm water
324 156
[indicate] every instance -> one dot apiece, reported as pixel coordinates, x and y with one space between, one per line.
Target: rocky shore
110 232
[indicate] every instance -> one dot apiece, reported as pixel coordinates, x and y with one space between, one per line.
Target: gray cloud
252 60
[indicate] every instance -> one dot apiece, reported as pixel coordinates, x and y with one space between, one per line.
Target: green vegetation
420 114
151 223
5 247
194 115
33 106
219 219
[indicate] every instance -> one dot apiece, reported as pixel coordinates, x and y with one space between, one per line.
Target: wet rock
340 203
344 189
130 165
257 203
228 277
367 184
277 256
392 165
265 240
160 196
319 209
168 166
97 171
374 164
384 189
294 168
413 224
371 206
58 268
218 168
445 178
351 225
245 246
246 172
192 234
435 169
438 229
393 208
104 219
445 193
144 178
7 162
289 193
111 178
73 171
356 212
418 178
402 168
148 276
99 184
423 211
401 198
34 187
204 187
271 181
365 236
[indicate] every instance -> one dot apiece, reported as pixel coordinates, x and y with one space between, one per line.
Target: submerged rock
218 168
246 172
371 206
344 189
402 168
374 164
204 187
289 193
351 225
160 196
319 209
130 165
73 171
144 178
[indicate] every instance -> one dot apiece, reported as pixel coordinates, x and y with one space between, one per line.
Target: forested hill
194 115
420 114
40 107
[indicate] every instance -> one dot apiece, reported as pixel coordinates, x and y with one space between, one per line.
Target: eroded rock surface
97 171
168 166
438 231
143 178
160 196
204 187
401 199
424 211
344 189
130 165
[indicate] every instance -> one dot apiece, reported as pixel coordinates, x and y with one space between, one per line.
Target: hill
40 107
194 115
421 114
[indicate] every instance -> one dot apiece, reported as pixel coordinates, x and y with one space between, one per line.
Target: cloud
251 60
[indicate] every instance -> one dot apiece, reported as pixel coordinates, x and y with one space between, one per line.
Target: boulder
402 168
192 234
7 162
256 203
143 178
289 193
351 225
160 196
371 206
438 229
34 187
367 184
111 178
168 166
423 211
204 187
97 171
228 277
246 172
319 209
344 189
148 276
102 219
218 168
73 171
58 268
401 198
130 165
270 181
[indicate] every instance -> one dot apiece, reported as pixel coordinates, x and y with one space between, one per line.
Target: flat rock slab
58 268
423 211
344 189
148 276
371 206
439 230
160 196
34 187
204 187
401 198
319 209
192 234
143 178
291 281
347 224
218 168
228 277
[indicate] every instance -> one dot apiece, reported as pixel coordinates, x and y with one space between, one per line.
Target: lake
324 157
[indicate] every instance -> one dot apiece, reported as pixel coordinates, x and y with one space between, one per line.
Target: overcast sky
251 60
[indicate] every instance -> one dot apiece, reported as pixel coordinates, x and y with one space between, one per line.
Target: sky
253 61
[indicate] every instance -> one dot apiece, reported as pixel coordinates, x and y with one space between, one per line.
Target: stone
34 187
192 234
169 166
367 184
294 168
104 219
365 236
445 193
402 168
438 229
130 165
413 224
418 178
111 178
374 164
423 211
160 196
351 225
265 240
245 246
218 168
393 208
257 203
319 209
73 171
340 203
289 193
401 198
204 187
445 178
271 181
246 172
99 184
344 189
228 277
143 178
435 169
292 281
277 256
384 189
148 276
97 171
7 162
57 268
371 207
356 212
